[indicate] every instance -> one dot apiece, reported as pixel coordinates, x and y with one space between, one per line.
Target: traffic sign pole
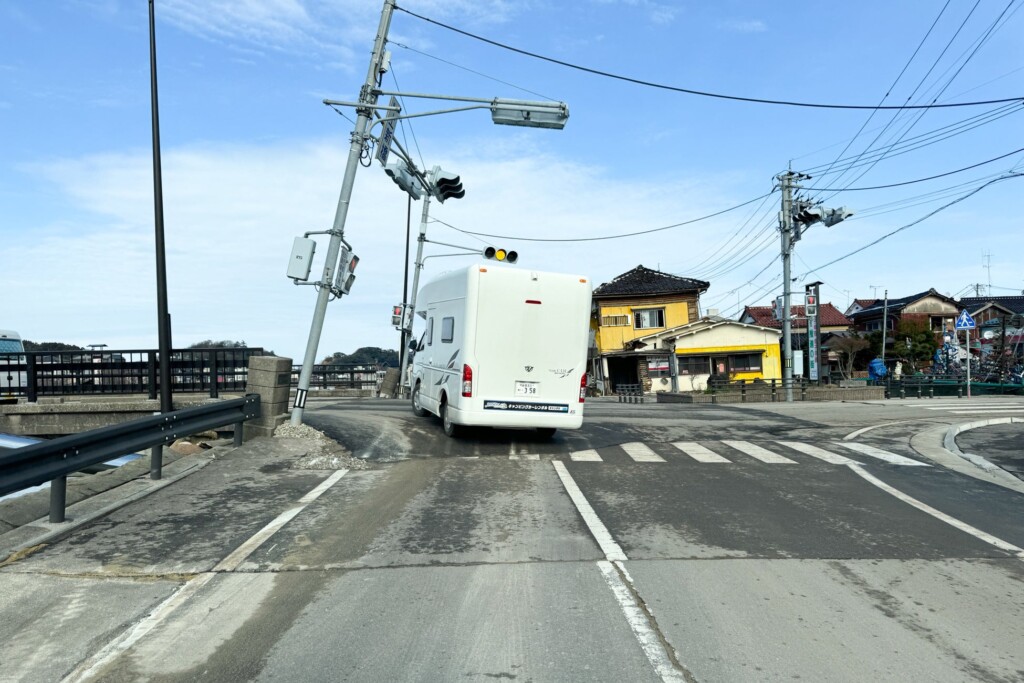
968 330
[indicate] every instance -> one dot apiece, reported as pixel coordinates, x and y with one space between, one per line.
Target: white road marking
641 627
762 454
856 433
525 456
93 665
994 411
641 453
698 452
589 455
962 526
882 455
608 546
819 453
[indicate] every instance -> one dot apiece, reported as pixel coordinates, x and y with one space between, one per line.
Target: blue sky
252 158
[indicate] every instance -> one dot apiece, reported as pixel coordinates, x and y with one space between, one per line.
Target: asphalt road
659 542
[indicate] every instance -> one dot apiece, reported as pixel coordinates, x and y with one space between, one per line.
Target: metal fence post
213 375
239 427
743 391
30 389
775 397
156 462
58 499
151 373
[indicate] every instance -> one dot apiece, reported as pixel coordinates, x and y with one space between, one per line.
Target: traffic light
398 316
446 185
807 214
501 255
346 271
810 306
405 178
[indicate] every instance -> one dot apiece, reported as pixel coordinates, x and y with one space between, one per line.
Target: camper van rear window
447 330
527 407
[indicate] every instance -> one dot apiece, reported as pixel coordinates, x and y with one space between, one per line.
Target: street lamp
795 217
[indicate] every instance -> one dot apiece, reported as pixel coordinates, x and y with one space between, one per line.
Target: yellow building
711 347
636 304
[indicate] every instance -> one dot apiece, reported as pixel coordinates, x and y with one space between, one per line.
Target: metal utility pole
786 181
794 217
411 315
885 323
367 99
403 349
163 316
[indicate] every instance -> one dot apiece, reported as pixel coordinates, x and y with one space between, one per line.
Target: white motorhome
503 347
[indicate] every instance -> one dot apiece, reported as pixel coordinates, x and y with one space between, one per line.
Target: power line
919 180
919 220
702 93
607 237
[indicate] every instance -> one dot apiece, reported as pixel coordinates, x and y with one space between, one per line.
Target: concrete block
268 410
270 364
277 394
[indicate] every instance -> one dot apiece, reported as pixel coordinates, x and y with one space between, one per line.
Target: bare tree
847 348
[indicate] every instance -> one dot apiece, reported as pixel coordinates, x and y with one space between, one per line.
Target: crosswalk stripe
819 453
641 452
880 454
589 455
995 411
524 456
762 454
698 452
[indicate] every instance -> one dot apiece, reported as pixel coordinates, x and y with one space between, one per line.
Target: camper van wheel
450 428
546 432
417 409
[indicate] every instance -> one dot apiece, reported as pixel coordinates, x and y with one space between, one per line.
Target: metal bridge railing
77 373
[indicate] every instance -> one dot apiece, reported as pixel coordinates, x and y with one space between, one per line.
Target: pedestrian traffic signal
501 255
447 185
346 271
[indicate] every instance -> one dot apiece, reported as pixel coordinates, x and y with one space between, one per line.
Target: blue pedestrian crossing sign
965 321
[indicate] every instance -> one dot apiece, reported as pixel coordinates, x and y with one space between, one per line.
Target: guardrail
51 461
63 373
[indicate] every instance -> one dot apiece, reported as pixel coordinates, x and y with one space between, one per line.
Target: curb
949 441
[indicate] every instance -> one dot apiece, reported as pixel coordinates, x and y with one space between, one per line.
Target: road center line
641 627
96 663
608 546
942 516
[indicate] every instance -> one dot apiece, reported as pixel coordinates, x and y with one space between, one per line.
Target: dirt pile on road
324 452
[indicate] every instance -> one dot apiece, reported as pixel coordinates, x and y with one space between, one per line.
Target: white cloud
745 26
233 210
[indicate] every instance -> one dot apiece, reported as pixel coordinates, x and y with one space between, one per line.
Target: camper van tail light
583 387
467 380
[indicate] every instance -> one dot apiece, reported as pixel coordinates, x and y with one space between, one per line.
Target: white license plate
527 388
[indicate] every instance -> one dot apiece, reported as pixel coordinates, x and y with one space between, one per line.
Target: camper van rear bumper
507 417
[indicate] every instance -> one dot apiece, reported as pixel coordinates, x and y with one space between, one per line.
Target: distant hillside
368 355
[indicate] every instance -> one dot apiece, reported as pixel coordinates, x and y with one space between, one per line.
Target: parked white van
503 347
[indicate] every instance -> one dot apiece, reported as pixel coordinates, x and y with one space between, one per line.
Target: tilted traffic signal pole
367 98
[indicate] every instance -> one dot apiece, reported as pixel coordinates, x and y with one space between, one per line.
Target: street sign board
965 321
387 133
